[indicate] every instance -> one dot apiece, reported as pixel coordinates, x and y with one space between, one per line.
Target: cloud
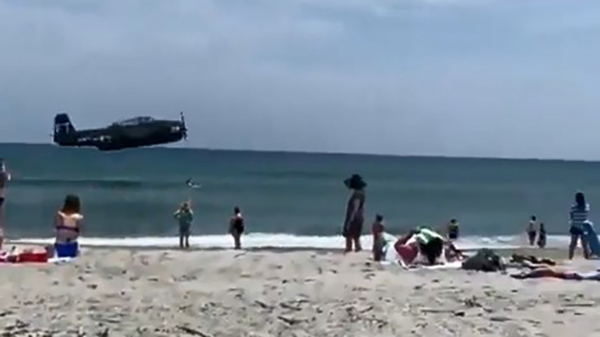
455 77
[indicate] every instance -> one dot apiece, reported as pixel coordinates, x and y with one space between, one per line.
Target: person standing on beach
531 230
236 227
4 179
377 230
354 220
184 216
578 215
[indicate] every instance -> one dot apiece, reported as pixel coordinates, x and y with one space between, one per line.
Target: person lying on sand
517 258
556 273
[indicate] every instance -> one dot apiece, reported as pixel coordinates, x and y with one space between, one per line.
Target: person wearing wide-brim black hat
353 223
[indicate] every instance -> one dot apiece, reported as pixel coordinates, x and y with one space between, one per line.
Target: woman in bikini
67 225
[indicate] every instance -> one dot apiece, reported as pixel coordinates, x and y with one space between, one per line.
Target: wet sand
126 292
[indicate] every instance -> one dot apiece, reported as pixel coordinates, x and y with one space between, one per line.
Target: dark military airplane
130 133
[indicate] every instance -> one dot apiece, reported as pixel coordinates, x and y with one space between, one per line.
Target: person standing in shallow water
453 229
531 230
578 215
184 216
4 179
236 227
542 236
354 220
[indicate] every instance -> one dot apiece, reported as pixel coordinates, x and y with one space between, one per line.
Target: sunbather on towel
561 274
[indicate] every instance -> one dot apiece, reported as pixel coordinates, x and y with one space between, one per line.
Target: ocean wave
287 241
98 183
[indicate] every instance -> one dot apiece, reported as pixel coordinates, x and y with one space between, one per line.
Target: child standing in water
236 227
531 231
377 229
542 236
184 216
453 229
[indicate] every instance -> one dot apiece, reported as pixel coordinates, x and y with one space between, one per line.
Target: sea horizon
308 152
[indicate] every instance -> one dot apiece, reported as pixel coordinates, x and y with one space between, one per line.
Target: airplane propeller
184 128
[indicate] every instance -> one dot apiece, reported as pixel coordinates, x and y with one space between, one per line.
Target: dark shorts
354 229
184 229
1 201
237 230
453 235
532 235
576 231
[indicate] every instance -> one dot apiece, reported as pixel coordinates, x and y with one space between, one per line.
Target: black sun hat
355 182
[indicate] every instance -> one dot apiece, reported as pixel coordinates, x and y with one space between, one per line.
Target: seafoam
286 241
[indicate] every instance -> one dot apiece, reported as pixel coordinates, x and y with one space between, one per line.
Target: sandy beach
125 292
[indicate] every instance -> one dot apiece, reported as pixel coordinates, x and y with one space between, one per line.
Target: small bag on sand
484 260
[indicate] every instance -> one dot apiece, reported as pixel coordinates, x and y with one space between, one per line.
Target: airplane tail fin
63 128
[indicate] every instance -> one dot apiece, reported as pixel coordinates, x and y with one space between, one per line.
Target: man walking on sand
4 179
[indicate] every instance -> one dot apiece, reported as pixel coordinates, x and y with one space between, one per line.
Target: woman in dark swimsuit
353 223
236 227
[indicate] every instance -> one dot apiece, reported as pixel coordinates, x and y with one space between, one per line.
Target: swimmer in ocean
191 184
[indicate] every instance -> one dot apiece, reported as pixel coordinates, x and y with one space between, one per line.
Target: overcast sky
428 77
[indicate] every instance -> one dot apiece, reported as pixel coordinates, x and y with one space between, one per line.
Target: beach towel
60 260
448 265
24 257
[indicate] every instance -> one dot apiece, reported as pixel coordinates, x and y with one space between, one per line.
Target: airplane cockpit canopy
135 121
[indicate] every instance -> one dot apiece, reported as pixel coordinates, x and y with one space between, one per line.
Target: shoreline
557 254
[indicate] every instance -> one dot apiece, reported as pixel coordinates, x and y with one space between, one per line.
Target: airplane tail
63 128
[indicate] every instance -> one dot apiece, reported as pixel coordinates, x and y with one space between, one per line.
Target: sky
481 78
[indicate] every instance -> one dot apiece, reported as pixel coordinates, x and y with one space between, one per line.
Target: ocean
288 199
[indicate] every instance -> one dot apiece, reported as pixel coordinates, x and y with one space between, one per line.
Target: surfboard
591 237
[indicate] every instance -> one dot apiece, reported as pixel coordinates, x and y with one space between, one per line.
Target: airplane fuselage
120 136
